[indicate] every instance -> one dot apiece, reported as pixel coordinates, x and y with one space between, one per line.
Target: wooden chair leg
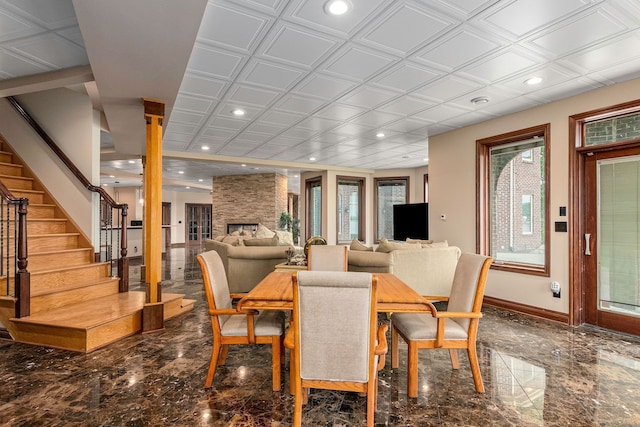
412 370
297 408
394 348
275 361
455 363
223 354
475 368
213 363
371 405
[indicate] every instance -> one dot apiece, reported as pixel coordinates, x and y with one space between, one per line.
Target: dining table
275 292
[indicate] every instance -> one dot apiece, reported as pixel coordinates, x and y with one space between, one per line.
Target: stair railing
13 235
108 208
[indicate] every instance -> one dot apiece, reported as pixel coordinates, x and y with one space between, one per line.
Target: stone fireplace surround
248 200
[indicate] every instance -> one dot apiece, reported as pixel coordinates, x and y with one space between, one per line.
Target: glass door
198 227
612 241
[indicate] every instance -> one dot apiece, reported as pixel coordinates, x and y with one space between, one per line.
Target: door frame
186 225
577 199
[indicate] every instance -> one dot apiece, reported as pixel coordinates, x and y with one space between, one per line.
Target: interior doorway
198 227
166 223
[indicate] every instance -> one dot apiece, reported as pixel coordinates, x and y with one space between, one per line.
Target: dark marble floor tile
536 373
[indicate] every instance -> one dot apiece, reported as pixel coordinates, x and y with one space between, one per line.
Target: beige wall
69 119
452 185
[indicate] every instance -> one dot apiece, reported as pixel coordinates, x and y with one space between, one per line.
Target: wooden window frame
376 182
361 205
308 185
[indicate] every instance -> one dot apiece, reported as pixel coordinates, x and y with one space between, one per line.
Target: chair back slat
327 258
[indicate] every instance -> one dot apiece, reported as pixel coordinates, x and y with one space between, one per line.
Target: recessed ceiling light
187 187
105 185
380 134
480 100
243 165
238 112
312 159
200 180
337 7
132 161
205 148
533 80
112 176
181 172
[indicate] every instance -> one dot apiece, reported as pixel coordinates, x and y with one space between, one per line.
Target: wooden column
153 313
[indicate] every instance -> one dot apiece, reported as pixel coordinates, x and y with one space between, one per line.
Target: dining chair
327 258
334 336
232 326
453 329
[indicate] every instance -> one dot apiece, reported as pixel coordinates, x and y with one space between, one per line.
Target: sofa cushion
386 246
262 232
232 240
422 242
265 241
219 238
357 245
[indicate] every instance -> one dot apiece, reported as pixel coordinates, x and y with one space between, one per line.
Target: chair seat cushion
267 323
423 327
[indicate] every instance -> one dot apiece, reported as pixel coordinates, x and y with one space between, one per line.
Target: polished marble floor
536 373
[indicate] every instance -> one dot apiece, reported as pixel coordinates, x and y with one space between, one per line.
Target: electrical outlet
555 289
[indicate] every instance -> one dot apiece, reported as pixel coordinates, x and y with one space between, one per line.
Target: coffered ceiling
316 89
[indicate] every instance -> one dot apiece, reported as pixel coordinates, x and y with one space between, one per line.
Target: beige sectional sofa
427 270
246 266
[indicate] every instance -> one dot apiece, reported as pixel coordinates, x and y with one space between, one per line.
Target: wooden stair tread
59 251
24 178
45 235
71 267
94 313
26 191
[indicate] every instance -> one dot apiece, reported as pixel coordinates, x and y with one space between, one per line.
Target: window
314 206
388 192
514 217
350 209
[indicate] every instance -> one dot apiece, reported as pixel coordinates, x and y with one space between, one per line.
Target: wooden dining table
275 292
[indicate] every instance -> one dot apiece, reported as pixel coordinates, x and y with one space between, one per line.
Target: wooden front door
612 240
198 226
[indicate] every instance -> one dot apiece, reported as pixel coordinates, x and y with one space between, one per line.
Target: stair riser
18 184
13 170
61 279
45 244
73 296
6 158
46 227
41 211
37 198
177 307
56 260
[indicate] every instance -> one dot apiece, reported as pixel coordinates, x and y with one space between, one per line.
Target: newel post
23 277
123 261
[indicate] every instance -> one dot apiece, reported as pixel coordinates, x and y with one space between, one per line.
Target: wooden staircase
75 303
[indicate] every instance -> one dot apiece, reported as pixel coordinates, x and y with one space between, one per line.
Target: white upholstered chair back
464 296
218 296
327 258
335 321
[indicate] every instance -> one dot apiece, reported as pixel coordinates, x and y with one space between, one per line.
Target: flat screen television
411 221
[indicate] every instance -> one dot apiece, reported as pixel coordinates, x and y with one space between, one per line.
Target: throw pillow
422 242
262 232
357 245
264 241
386 246
232 240
285 237
443 244
219 238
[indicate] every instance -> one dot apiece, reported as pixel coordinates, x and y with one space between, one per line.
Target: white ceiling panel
176 127
457 49
192 103
367 97
340 112
273 76
226 123
187 117
358 63
299 104
214 62
297 46
468 6
232 28
407 125
523 16
269 129
219 134
312 14
281 118
13 65
621 50
49 14
551 75
580 33
447 88
376 118
405 77
324 87
406 106
501 65
440 113
247 95
51 50
13 27
200 85
318 124
405 28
